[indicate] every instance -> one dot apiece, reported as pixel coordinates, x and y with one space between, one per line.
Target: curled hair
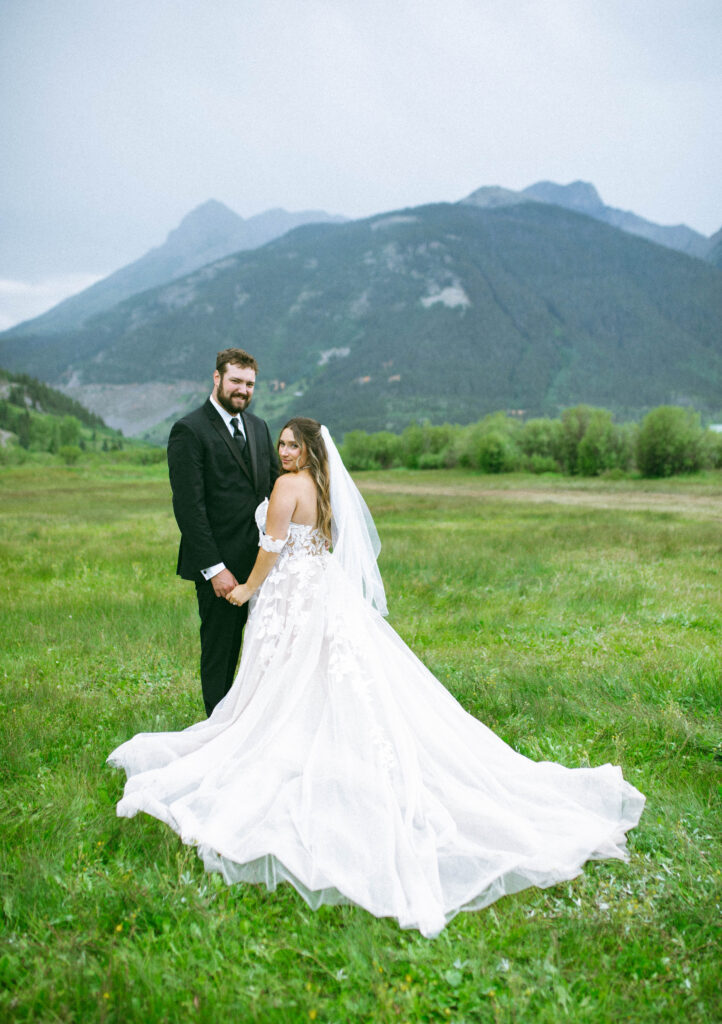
308 432
236 356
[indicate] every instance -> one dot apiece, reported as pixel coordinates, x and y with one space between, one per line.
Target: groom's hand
223 582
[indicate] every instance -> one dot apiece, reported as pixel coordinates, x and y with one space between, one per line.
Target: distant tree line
64 436
584 441
27 392
39 432
36 418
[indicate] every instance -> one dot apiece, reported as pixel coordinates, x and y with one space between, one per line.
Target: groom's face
234 390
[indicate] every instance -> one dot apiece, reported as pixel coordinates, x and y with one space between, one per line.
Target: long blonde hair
308 432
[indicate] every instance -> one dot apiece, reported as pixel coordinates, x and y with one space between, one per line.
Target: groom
222 464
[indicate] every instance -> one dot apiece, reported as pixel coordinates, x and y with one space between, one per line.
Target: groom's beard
232 402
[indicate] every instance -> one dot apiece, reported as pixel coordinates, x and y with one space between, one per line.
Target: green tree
384 449
412 445
23 429
573 428
669 441
712 449
41 432
69 453
69 431
17 396
597 450
496 453
490 445
54 444
355 450
541 436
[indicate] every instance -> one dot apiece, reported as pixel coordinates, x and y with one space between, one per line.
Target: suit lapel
220 427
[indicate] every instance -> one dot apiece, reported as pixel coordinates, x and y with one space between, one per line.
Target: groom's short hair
238 357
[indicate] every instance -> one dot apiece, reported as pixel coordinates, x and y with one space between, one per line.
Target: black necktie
238 436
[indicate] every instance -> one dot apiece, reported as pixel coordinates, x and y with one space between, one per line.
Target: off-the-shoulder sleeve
267 542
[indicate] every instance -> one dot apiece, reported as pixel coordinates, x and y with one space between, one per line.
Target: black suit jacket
216 491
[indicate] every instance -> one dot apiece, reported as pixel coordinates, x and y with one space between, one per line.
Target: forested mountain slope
445 311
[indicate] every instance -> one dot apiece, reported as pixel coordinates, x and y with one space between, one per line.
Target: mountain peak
490 196
211 207
582 197
206 223
210 232
578 195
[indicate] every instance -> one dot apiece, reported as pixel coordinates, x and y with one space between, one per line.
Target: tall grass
581 634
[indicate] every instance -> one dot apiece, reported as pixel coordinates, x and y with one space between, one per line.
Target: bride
337 762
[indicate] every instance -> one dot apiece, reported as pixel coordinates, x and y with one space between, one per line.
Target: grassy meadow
581 620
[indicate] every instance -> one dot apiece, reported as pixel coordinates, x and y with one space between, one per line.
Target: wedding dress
338 763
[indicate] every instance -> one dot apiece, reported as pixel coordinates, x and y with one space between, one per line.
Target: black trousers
221 632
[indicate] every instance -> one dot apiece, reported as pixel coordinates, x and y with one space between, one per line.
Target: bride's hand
239 595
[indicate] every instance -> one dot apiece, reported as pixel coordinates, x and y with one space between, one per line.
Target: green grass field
581 620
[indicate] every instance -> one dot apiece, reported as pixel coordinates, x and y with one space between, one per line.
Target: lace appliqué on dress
345 656
285 601
283 604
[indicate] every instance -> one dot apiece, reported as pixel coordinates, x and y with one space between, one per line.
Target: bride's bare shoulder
293 487
290 483
295 495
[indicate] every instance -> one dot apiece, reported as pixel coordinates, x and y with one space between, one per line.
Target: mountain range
521 301
206 234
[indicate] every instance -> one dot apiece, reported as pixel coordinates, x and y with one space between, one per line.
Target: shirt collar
228 416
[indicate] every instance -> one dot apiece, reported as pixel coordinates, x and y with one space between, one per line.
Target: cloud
22 300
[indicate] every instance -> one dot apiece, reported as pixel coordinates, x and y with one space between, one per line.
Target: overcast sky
117 117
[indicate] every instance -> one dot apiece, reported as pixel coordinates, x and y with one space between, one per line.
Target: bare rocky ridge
581 197
135 409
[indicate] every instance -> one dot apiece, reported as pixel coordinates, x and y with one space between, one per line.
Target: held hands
226 585
239 595
223 582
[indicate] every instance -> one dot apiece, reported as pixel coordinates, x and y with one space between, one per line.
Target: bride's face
291 452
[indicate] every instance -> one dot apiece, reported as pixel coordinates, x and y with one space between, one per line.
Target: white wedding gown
337 762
